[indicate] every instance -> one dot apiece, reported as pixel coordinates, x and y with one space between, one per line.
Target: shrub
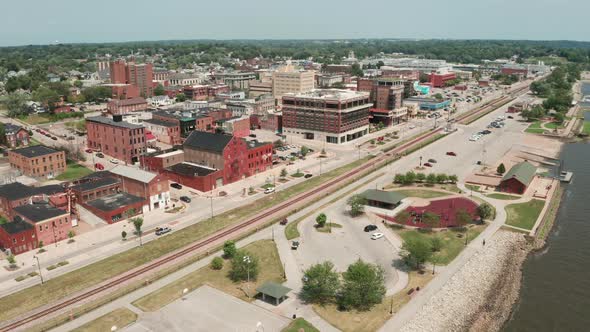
217 263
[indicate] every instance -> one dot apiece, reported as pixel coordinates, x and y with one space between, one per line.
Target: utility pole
39 267
211 199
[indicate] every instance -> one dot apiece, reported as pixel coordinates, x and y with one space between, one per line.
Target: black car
294 245
486 132
100 155
252 135
163 230
185 199
307 176
370 228
176 186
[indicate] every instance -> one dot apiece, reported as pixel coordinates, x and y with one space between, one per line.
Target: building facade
15 136
38 161
140 76
289 80
124 106
116 138
153 188
165 132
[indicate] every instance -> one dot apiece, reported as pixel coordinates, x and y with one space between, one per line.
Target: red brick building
16 194
195 176
196 92
116 207
165 132
125 106
50 223
439 80
518 178
237 126
140 76
116 138
514 71
18 236
95 186
153 188
38 161
270 121
407 74
15 136
160 160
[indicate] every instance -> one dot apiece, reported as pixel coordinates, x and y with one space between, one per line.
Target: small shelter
383 199
518 178
277 291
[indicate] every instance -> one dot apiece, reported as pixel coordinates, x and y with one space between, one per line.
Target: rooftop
207 141
114 202
16 226
17 190
388 197
111 122
96 183
190 169
10 128
130 101
39 212
160 123
133 173
34 151
523 172
273 289
329 94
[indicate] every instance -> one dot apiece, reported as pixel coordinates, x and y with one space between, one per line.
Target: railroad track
277 210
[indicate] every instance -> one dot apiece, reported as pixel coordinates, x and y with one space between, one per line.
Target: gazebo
274 290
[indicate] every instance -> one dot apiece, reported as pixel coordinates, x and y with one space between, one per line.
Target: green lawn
270 269
502 197
422 193
524 215
300 325
553 125
35 119
73 171
119 317
452 244
473 187
33 142
328 227
535 128
586 128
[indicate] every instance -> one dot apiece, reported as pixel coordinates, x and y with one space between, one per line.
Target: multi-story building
124 106
287 79
161 75
38 161
196 92
160 160
236 126
401 73
137 75
330 115
15 136
182 79
50 223
17 237
152 187
236 80
16 194
439 79
258 88
385 93
116 138
165 132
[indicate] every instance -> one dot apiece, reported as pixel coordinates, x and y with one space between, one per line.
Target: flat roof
111 122
168 154
190 169
39 212
114 201
96 183
160 123
17 190
34 151
133 173
388 197
329 94
16 226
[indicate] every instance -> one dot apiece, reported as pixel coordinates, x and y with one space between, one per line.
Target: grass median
299 325
119 317
503 197
421 193
65 285
524 215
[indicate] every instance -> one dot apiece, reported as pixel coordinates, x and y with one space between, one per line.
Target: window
40 228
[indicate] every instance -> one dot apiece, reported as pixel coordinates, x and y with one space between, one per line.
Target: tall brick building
116 138
38 161
137 75
330 115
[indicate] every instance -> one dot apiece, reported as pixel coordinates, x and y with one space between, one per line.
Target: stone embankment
480 296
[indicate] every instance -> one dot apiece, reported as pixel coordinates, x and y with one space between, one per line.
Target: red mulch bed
445 208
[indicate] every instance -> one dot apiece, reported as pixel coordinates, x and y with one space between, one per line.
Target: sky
75 21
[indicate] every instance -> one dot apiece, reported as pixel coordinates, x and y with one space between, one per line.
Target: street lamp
420 161
39 267
248 260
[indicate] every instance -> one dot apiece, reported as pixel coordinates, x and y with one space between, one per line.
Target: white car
114 161
269 190
412 126
376 236
473 138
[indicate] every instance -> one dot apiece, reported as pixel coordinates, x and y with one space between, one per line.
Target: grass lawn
524 215
502 196
327 227
267 185
422 193
553 125
271 269
77 280
371 320
299 325
430 140
473 187
297 175
35 119
586 128
73 171
452 245
535 128
119 317
33 142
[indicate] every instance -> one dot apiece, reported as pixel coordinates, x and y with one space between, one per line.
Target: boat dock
566 176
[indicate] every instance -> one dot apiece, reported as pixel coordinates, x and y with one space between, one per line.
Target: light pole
420 161
39 267
248 260
211 199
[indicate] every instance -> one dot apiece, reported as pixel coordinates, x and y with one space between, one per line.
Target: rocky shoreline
480 296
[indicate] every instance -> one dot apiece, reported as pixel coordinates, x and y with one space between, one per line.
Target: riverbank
470 301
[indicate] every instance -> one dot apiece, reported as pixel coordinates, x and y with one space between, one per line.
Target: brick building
385 93
116 207
50 223
116 138
18 236
330 115
16 194
195 176
165 132
518 178
140 76
15 136
125 106
236 126
160 160
153 188
95 186
38 161
438 80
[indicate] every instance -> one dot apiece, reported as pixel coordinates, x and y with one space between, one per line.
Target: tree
304 150
399 178
436 244
438 96
180 97
244 266
410 177
284 173
453 178
320 283
380 64
416 251
402 217
71 235
40 245
485 211
229 249
501 169
559 117
46 97
16 104
11 260
138 223
363 286
462 217
217 263
356 70
278 143
159 90
431 178
357 205
420 177
431 219
321 220
441 178
124 235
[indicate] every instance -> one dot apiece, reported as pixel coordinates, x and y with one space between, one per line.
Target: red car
88 150
99 166
428 164
451 153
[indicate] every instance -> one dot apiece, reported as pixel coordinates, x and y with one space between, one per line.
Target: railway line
276 211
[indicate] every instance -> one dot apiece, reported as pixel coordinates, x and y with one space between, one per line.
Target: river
555 293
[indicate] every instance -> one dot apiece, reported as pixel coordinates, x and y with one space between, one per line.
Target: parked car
163 230
451 153
176 186
432 161
486 132
269 190
54 138
510 117
185 199
88 150
428 164
100 155
294 245
99 166
252 135
114 161
284 222
411 126
370 228
307 176
376 236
